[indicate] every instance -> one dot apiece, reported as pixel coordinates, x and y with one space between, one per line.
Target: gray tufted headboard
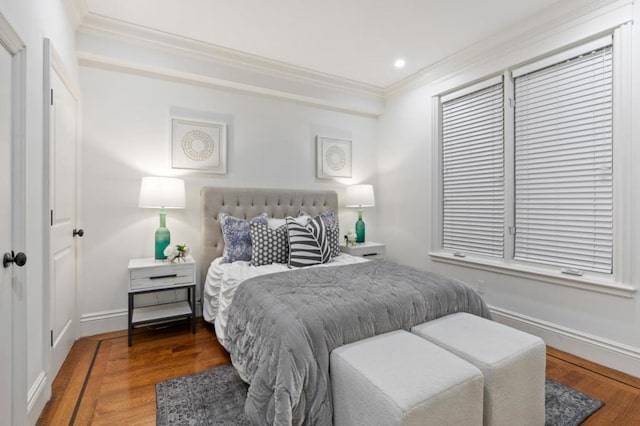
250 202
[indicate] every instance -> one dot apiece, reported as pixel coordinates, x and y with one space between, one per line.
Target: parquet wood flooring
120 387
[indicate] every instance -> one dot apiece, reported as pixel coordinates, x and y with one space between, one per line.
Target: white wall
126 133
600 327
35 20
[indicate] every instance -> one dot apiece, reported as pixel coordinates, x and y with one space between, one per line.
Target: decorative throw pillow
308 245
333 230
235 233
268 245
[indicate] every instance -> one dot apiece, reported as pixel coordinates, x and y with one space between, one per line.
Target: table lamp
161 193
360 196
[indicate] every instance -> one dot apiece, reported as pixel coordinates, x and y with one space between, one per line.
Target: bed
280 326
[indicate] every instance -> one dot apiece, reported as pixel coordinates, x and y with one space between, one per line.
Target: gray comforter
283 326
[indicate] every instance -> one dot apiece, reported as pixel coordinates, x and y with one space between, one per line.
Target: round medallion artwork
335 158
197 145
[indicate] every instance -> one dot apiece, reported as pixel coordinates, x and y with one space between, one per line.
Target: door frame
12 42
53 63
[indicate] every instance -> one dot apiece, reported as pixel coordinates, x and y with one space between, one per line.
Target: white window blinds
473 172
563 164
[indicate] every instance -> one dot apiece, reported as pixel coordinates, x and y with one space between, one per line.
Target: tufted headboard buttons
247 203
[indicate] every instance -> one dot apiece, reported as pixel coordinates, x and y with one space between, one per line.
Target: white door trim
14 45
53 61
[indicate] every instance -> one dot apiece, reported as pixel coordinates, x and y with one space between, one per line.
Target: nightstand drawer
161 276
368 250
372 256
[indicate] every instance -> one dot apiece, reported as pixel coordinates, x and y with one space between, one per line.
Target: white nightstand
150 276
369 250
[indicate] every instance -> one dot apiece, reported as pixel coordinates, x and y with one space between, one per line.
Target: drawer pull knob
163 276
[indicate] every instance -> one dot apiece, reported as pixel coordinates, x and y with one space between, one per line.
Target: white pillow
275 223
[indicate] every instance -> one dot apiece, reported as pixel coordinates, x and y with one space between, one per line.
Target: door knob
19 259
78 232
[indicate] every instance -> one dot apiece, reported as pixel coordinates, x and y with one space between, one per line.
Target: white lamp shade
161 192
360 196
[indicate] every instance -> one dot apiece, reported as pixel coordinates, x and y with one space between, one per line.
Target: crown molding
99 25
560 17
557 19
76 10
8 37
110 63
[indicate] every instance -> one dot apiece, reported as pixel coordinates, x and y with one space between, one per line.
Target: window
472 171
540 169
563 164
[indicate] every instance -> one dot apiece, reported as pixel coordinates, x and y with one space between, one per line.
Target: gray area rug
565 406
216 397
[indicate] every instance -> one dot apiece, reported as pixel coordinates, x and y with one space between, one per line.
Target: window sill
539 274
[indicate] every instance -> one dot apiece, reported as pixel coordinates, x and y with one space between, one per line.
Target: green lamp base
163 237
360 228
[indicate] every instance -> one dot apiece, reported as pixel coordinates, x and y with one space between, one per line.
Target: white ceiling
354 39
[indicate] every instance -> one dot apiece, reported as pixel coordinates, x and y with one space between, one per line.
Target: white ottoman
513 364
398 378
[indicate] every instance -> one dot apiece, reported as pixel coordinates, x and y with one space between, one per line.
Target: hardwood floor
120 386
105 382
620 392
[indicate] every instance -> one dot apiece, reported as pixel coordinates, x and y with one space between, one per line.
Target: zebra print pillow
308 245
330 220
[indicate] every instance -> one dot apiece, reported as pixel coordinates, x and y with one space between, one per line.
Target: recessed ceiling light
399 63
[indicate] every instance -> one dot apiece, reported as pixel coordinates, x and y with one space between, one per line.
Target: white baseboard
107 321
103 322
609 353
37 397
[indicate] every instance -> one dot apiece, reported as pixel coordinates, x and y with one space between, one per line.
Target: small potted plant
351 238
177 253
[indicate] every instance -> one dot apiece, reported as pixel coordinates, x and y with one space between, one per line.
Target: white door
13 376
6 241
63 139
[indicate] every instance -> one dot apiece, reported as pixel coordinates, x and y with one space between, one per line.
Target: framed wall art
199 145
333 158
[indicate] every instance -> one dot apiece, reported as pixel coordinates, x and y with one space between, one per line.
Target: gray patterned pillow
268 245
333 230
235 233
